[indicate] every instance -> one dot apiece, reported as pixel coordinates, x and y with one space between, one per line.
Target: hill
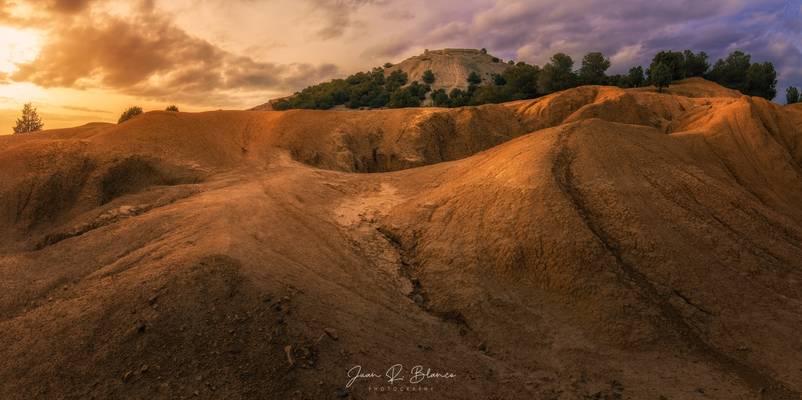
451 67
593 243
378 88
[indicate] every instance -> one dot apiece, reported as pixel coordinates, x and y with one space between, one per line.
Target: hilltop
596 242
451 67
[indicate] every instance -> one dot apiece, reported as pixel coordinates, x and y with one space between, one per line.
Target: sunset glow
68 55
17 46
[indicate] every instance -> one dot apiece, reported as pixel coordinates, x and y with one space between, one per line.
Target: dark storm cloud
630 31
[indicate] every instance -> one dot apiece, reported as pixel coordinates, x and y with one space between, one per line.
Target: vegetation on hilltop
129 113
525 81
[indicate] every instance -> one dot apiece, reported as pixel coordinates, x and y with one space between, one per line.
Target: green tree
660 76
619 80
674 60
395 80
440 98
172 108
474 78
129 113
792 95
520 81
487 94
593 69
29 121
418 89
636 77
761 80
458 98
499 80
428 77
731 71
557 74
694 64
403 97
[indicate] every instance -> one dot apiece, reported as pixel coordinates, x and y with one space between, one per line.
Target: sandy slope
596 243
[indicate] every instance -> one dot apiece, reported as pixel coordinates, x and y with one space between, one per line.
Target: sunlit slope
594 242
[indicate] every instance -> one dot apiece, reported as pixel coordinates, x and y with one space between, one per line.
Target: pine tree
792 95
30 121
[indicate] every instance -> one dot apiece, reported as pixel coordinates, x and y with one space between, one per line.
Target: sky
80 61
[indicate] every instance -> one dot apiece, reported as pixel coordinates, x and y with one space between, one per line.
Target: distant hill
451 68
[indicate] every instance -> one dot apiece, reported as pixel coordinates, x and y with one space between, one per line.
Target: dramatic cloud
145 54
238 53
629 31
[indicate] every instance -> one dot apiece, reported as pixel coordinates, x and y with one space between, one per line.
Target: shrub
458 98
440 98
129 113
428 77
388 65
403 98
474 78
172 108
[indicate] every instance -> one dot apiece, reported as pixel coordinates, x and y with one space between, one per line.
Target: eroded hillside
594 243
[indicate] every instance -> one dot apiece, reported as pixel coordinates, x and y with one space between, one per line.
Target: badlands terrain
596 243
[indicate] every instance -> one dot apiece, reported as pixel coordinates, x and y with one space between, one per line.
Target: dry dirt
597 243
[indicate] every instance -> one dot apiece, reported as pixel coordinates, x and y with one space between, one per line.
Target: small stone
141 328
483 347
127 376
143 369
332 333
418 299
152 299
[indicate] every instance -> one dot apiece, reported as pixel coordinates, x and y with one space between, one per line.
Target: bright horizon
81 61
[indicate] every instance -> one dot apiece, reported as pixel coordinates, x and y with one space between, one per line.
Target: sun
17 46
